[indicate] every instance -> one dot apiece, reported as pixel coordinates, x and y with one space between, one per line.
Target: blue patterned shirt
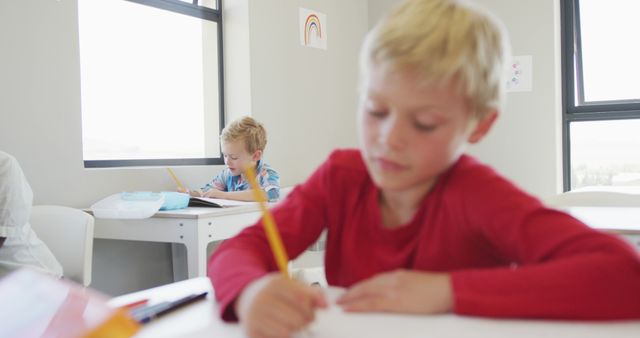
267 178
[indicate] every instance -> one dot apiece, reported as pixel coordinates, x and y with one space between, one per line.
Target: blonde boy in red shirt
413 224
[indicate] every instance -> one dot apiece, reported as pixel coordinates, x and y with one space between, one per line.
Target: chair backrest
595 198
68 233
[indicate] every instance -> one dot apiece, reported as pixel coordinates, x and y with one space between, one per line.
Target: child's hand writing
194 193
213 193
275 306
400 291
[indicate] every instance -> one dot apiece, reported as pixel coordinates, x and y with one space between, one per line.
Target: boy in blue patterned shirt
243 142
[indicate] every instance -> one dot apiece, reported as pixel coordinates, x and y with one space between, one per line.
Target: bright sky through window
149 83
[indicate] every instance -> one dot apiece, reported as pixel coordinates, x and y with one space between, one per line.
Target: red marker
134 304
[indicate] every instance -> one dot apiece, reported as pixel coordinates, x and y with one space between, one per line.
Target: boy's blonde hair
248 130
444 40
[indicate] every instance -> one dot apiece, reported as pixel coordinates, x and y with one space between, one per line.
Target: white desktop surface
622 220
201 319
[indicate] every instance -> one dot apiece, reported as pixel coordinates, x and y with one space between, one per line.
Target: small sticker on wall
520 74
313 29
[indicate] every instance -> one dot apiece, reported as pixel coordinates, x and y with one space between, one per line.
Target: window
601 95
151 82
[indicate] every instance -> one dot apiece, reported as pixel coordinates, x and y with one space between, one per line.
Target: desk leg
196 236
196 245
197 260
196 257
191 245
179 257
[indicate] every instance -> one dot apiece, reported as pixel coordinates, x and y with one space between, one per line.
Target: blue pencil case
174 200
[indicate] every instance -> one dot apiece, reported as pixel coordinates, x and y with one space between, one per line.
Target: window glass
610 53
208 3
605 153
149 83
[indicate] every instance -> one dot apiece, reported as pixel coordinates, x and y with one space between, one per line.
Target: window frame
573 87
204 13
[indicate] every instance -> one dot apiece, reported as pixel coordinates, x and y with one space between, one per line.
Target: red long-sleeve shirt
508 255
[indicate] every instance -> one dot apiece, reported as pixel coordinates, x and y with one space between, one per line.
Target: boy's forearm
593 286
237 263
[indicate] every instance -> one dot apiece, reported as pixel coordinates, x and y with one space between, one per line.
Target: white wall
525 143
305 97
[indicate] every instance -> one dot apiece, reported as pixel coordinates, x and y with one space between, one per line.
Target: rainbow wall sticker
313 29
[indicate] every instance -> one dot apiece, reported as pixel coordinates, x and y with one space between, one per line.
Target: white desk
193 227
624 221
201 320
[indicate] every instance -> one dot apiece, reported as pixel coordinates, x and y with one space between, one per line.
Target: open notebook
216 202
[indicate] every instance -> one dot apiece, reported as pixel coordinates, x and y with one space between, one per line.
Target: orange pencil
175 178
273 236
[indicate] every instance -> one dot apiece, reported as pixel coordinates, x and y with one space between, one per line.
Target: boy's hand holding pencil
275 305
181 188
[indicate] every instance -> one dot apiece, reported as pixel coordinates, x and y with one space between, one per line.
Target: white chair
605 196
68 233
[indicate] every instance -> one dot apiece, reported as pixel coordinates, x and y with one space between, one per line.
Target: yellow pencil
175 178
273 236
